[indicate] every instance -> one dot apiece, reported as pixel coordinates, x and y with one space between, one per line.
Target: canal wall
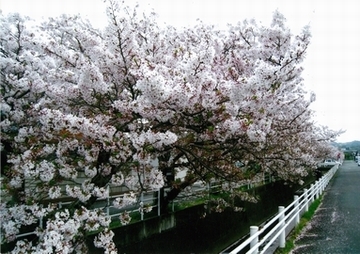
187 231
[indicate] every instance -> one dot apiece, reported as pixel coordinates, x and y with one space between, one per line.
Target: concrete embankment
186 231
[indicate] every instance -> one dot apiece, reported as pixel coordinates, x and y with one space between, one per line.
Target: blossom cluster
84 109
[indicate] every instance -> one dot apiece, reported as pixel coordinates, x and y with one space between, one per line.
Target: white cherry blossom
83 109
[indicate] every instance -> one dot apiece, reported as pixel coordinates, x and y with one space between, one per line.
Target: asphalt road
335 227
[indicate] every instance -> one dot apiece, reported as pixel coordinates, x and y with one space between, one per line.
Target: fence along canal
152 198
272 235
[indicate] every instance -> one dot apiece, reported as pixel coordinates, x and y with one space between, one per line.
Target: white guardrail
273 234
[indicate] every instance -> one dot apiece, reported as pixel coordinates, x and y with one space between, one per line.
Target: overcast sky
332 66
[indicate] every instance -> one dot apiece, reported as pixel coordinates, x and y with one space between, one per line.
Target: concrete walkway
335 227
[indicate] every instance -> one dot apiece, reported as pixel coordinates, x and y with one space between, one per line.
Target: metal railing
152 198
273 234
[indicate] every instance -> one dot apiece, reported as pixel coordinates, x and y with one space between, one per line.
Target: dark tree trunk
173 193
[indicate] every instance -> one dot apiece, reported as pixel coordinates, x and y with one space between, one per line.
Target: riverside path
335 227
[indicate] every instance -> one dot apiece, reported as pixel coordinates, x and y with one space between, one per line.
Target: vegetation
134 103
350 146
349 149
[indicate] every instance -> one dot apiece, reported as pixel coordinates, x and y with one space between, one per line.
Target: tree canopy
128 103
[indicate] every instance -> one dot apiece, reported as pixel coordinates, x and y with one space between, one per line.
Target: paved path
335 227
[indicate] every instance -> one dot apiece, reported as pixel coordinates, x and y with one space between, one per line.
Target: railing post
264 179
158 204
297 210
306 196
326 180
321 185
142 203
282 235
108 202
254 230
317 185
312 188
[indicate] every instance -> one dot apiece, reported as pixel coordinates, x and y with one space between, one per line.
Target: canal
216 231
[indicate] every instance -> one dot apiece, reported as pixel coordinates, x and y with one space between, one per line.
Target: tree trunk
173 193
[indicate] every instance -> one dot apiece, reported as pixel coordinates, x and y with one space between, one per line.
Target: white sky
332 65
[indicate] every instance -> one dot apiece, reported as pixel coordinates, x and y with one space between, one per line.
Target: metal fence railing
152 198
272 235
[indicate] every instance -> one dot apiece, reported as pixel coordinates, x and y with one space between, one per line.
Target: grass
306 217
189 203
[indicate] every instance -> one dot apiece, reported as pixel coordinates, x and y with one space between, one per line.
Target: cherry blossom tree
123 106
